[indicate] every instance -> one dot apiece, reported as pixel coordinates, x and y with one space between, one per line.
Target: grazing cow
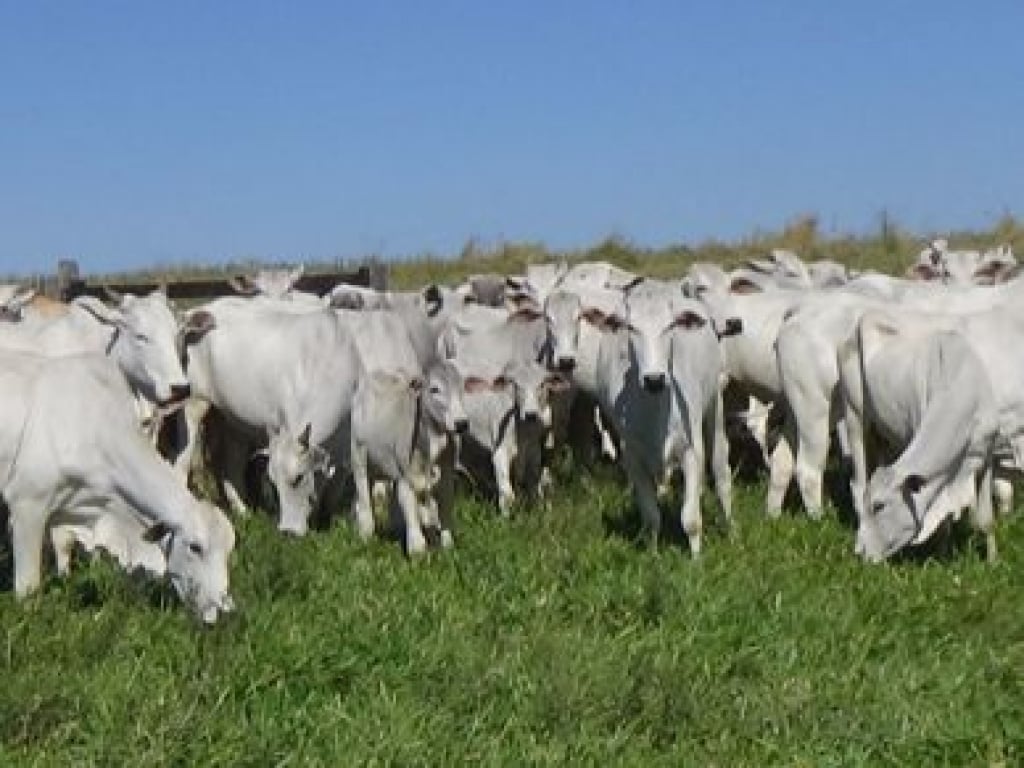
71 454
927 394
402 430
660 378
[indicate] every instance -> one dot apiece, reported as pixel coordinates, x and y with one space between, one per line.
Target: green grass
548 639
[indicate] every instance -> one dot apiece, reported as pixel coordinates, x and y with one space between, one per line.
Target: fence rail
67 282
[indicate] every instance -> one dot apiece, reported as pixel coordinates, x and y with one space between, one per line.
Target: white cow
140 335
71 454
273 284
403 430
281 375
660 377
927 394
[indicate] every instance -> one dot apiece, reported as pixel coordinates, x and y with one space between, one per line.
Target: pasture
550 638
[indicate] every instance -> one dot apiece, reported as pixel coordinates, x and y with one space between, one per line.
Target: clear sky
142 133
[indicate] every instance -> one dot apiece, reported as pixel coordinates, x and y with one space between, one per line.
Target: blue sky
143 133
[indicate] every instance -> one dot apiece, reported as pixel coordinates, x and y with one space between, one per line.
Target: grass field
547 639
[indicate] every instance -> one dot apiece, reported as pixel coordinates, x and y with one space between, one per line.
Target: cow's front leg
362 504
502 463
28 530
781 469
415 542
693 478
982 513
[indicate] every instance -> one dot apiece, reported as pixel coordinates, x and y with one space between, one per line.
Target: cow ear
556 382
304 436
474 384
99 310
744 285
913 483
243 284
594 316
923 272
156 532
525 315
198 324
501 382
689 320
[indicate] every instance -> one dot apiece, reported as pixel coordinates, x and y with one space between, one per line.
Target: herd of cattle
917 377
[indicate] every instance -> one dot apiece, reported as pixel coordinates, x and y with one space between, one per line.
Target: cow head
563 310
197 560
296 466
531 386
273 283
648 319
441 398
13 300
144 344
904 509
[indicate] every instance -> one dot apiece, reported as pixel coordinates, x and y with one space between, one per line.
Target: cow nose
566 363
180 392
531 416
462 426
654 382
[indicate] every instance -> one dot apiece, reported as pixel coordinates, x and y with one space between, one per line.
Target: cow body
81 461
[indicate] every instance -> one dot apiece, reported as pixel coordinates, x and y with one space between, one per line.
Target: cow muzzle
566 363
654 382
179 392
462 426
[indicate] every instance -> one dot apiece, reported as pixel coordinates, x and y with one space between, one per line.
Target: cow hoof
415 546
447 540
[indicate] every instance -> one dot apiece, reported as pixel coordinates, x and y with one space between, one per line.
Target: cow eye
196 549
877 507
141 338
297 479
435 390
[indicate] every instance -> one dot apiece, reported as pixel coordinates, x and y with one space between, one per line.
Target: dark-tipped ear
305 435
913 483
594 316
243 285
923 272
474 384
197 325
632 284
525 315
432 296
743 285
689 320
156 532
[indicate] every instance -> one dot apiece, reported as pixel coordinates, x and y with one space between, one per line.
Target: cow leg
1003 491
719 447
444 494
693 478
645 494
780 469
232 483
415 542
28 530
362 504
189 420
811 453
62 540
502 463
608 449
982 516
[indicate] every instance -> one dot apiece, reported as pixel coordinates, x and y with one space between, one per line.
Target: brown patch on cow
197 325
593 315
43 306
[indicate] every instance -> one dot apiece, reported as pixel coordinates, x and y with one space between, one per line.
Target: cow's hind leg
415 542
693 477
